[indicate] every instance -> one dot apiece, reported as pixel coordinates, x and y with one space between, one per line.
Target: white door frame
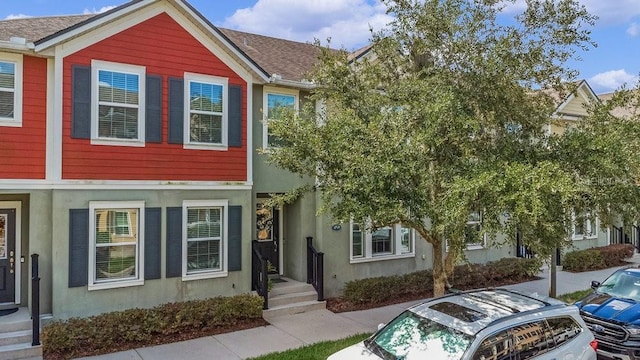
17 205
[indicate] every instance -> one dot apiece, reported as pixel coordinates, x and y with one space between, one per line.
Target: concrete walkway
293 331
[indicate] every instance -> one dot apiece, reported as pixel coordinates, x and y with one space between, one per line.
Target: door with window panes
7 255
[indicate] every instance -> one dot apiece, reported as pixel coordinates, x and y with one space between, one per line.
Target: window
495 347
531 339
116 236
204 239
563 329
10 90
206 111
473 232
278 102
584 226
383 243
118 104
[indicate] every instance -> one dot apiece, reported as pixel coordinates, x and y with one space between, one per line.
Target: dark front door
268 233
7 255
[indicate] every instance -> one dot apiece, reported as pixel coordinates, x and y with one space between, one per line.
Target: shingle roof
288 59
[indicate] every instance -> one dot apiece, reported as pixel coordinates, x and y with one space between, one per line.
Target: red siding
165 49
22 149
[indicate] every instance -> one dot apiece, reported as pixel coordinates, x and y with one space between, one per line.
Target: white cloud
16 16
611 80
633 29
346 22
94 11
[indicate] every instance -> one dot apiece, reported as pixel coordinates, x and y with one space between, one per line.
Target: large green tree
447 115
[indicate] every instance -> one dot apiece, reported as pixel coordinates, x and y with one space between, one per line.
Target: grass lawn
570 298
319 351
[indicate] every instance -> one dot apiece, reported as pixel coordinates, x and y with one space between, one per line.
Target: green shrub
467 276
597 258
139 327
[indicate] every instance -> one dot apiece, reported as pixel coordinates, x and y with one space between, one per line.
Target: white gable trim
584 91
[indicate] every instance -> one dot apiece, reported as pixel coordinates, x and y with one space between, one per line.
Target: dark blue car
612 313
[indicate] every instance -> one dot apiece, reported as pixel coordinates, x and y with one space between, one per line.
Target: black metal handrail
315 268
35 300
260 278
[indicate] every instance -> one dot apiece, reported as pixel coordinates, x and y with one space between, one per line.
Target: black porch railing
260 278
35 300
626 235
523 251
315 268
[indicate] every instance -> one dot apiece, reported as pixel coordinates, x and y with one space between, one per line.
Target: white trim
267 90
250 145
93 284
223 272
57 133
211 80
17 61
140 71
590 227
119 185
17 206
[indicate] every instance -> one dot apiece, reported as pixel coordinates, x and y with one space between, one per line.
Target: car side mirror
380 326
595 284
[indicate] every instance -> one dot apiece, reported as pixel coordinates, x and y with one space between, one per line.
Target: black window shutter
78 247
174 241
152 243
235 115
81 102
153 108
176 111
235 238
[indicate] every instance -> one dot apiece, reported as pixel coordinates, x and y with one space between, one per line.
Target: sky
615 60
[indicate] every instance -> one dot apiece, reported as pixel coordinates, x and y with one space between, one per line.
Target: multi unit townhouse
130 163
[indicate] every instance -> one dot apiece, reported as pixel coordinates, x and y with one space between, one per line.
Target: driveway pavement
293 331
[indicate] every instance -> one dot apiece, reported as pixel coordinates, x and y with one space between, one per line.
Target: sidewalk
293 331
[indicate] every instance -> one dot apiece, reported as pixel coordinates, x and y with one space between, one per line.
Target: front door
7 255
268 233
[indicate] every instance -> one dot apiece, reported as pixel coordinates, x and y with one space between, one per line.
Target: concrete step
15 337
290 309
292 298
290 287
20 351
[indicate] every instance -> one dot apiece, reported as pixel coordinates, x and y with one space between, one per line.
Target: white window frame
223 272
94 284
140 71
17 61
368 256
206 79
590 228
271 90
483 244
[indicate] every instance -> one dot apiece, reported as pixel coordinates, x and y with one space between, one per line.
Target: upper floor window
118 106
278 102
206 111
473 231
10 90
116 235
385 242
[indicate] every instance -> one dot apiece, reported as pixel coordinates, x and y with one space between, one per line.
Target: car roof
472 311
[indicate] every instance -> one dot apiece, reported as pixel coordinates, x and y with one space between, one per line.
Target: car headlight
633 331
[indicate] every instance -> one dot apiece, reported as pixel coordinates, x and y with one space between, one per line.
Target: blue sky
616 59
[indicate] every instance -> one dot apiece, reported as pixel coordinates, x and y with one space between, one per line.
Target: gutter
17 44
276 79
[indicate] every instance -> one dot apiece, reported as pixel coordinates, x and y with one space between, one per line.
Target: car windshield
622 284
410 336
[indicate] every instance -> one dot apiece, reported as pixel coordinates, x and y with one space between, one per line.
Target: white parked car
488 324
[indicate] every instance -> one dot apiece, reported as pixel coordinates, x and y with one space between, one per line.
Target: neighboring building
130 162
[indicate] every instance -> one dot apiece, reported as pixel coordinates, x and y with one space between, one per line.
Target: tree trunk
439 274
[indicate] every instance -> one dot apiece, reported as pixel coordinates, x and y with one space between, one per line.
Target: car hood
355 352
605 306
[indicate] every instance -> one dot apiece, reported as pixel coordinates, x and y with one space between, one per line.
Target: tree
446 117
